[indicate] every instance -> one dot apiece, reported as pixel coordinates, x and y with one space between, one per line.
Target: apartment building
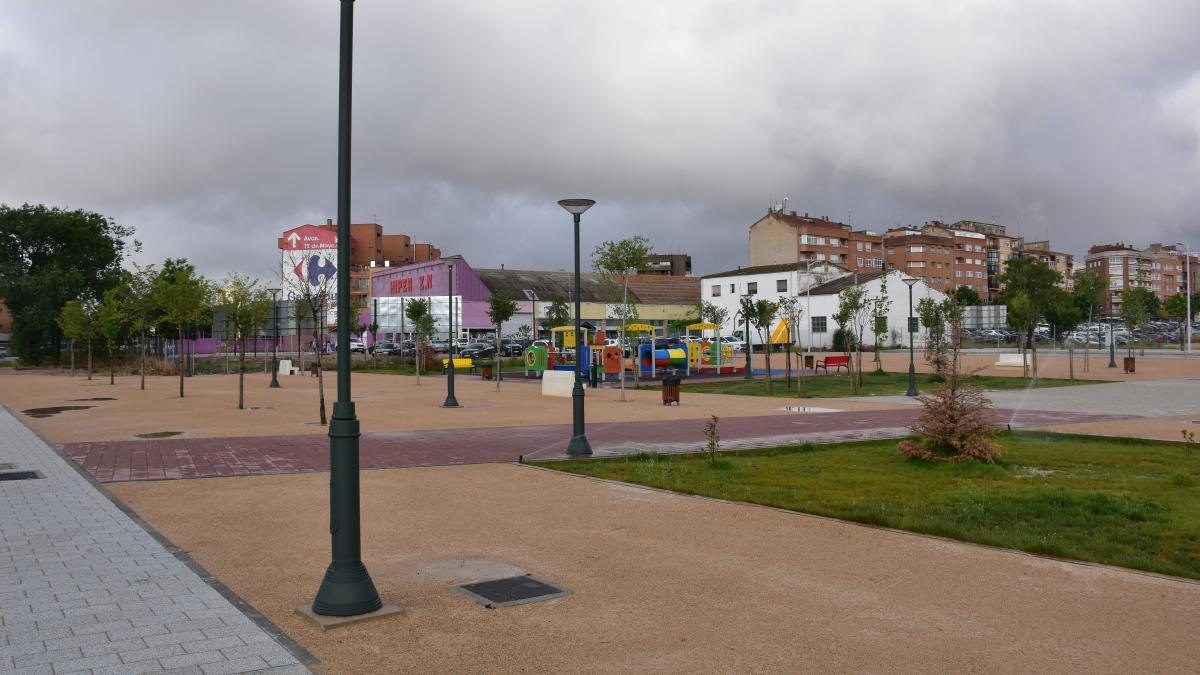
1162 268
786 237
369 248
1063 263
668 265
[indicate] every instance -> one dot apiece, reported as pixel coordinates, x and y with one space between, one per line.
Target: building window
916 263
716 290
835 257
818 324
732 288
916 249
867 246
781 285
858 245
860 262
834 241
958 273
752 288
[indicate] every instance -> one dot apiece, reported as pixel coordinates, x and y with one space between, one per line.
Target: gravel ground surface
662 582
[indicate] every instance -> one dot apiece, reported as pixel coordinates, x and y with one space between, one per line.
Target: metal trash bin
670 389
808 361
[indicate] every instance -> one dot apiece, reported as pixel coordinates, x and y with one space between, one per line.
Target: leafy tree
1090 286
934 320
1175 308
761 314
77 321
183 297
558 312
791 309
1063 314
880 306
616 260
421 320
501 308
1138 304
49 256
111 323
855 310
966 296
246 307
1032 279
313 295
138 305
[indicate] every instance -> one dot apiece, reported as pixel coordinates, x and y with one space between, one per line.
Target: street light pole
1112 344
450 401
912 359
347 589
579 443
275 342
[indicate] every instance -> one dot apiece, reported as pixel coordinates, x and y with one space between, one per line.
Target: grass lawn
874 384
1126 502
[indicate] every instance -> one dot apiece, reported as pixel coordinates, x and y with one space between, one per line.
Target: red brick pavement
117 461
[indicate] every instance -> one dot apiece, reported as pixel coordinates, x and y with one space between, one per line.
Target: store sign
423 284
309 238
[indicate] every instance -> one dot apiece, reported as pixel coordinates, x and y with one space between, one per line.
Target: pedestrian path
118 461
85 589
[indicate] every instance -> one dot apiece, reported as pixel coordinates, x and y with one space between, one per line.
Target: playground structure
604 362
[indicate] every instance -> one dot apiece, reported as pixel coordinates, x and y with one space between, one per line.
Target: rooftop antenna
783 209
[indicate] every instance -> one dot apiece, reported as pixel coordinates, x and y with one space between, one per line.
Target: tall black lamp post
347 589
912 330
274 342
1112 345
293 302
450 401
579 443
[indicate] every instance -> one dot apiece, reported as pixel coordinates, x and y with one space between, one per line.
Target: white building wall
817 306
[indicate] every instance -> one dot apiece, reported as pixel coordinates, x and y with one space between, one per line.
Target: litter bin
487 371
670 389
808 361
1130 364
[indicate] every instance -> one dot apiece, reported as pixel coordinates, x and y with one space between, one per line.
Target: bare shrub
714 438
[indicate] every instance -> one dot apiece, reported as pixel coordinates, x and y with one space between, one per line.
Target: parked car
736 343
358 346
512 347
440 346
478 350
386 349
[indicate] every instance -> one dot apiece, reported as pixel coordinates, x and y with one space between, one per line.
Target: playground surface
777 591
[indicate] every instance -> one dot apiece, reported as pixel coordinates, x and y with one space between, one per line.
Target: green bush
843 340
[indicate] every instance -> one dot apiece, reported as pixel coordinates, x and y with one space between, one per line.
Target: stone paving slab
118 461
85 588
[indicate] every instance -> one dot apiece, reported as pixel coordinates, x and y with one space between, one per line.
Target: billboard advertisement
309 257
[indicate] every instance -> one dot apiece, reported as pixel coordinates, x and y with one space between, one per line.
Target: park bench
1010 361
286 367
842 361
459 364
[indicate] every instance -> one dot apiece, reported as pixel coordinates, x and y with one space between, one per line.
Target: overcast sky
210 126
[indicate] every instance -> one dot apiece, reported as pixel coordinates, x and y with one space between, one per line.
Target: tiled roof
664 290
842 283
767 269
546 285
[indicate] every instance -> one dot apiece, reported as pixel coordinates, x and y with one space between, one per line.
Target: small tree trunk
72 358
242 378
788 378
179 359
142 367
1071 358
89 363
111 375
418 352
497 359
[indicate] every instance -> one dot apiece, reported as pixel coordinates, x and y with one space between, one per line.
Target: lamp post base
579 446
274 374
451 402
346 590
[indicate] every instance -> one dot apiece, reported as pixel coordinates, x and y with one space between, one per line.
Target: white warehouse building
817 290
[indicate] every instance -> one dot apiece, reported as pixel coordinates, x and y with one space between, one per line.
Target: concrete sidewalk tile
246 665
191 659
85 663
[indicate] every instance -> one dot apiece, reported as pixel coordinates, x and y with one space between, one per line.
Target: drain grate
510 591
20 475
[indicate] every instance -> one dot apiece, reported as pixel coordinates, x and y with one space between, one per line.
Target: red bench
835 361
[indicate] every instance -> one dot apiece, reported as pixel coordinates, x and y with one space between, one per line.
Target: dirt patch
159 434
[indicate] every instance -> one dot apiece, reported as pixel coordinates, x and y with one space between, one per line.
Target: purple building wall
421 280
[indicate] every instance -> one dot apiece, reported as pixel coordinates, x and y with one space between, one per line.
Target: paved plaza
86 585
84 588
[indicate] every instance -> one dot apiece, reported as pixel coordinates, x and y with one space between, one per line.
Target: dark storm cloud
211 126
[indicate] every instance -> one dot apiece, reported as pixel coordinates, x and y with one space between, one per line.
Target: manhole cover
97 398
260 407
807 409
510 591
19 475
54 410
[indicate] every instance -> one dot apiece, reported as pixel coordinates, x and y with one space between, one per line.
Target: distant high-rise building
1162 268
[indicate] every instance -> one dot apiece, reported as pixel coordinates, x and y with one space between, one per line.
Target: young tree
1090 286
762 314
77 320
140 310
1138 304
966 296
49 256
1023 316
615 261
881 305
930 313
1063 315
790 308
183 297
111 323
312 281
1032 279
421 321
855 311
245 306
1175 308
501 308
558 312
